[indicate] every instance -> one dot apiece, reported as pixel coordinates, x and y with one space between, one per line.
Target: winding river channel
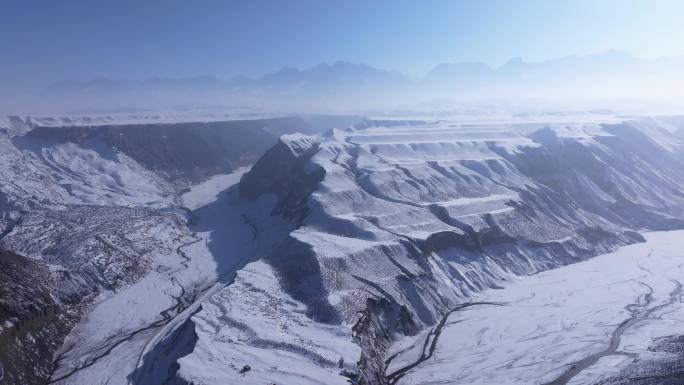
572 325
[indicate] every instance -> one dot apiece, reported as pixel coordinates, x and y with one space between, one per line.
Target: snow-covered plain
540 326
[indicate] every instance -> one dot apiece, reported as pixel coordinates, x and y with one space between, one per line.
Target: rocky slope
36 315
396 225
88 212
331 249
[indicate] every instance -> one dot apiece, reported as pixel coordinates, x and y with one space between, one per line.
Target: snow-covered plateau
531 250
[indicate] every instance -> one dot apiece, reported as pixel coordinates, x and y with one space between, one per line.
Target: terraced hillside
160 259
394 225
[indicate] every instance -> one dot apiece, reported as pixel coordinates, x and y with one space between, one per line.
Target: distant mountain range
338 74
608 76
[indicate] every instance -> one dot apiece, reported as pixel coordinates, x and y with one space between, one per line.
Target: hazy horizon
132 55
409 76
606 80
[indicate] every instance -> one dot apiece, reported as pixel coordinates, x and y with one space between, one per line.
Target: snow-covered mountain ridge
591 80
333 247
394 225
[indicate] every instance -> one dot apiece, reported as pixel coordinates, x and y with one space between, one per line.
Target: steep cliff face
409 195
395 225
93 214
35 315
285 171
187 151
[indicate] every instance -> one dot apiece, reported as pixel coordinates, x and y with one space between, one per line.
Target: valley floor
578 324
117 337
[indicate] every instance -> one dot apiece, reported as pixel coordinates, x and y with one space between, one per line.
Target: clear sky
44 41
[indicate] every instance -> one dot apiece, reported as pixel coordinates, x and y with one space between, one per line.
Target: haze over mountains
610 79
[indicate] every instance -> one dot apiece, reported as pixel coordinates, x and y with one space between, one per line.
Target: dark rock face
373 332
35 316
194 151
663 364
88 249
186 151
92 243
285 171
164 368
299 274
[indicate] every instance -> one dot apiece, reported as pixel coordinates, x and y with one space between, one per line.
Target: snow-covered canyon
335 256
398 224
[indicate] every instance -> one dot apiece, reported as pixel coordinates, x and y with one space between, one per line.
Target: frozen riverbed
208 191
116 336
575 325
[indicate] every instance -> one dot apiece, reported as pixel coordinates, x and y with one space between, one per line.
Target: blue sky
44 41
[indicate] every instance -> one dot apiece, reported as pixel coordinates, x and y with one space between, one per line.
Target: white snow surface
66 173
221 243
252 322
551 320
206 192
